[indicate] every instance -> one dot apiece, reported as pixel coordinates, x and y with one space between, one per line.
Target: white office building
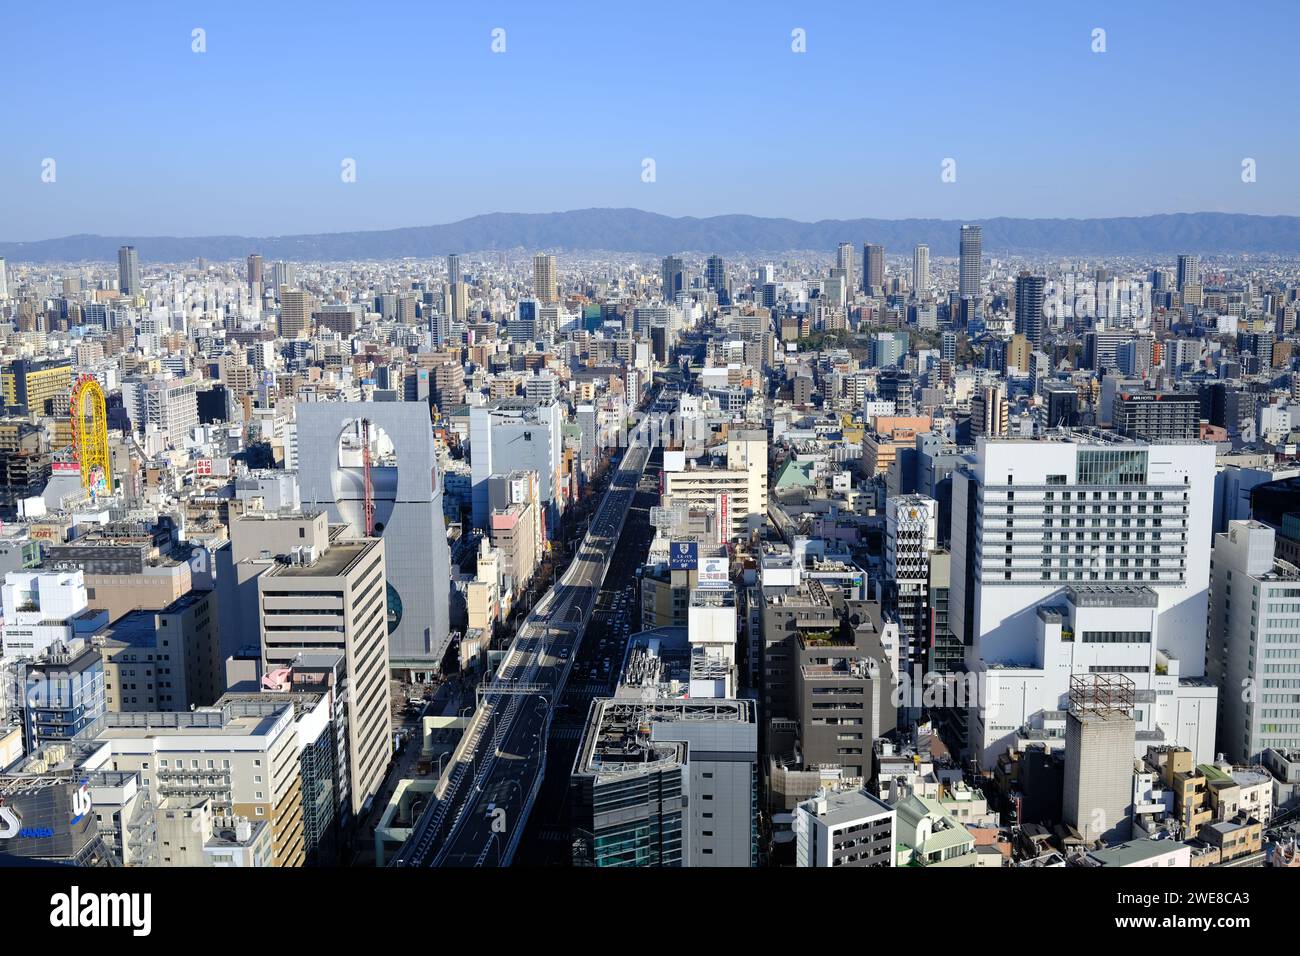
1083 553
1254 653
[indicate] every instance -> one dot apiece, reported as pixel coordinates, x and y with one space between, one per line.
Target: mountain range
636 231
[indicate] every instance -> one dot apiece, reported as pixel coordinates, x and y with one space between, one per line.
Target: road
546 840
483 801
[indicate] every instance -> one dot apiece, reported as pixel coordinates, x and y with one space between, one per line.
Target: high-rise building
873 268
128 271
1254 648
1189 271
672 276
1157 416
971 267
715 279
4 281
255 268
666 783
910 538
1083 554
283 276
844 261
989 412
1100 736
453 269
331 600
1029 308
545 279
243 755
295 313
920 269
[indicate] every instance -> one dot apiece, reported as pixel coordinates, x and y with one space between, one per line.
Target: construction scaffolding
1103 695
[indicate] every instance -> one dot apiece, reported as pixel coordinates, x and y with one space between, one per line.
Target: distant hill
632 230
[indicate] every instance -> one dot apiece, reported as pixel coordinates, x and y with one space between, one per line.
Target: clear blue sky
151 138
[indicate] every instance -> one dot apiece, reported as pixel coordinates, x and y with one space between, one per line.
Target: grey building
128 270
666 783
1157 416
970 268
1100 734
408 511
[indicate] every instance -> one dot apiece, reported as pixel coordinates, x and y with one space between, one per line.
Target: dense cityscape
458 452
842 558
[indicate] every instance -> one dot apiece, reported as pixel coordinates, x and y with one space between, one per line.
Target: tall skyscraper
254 273
128 270
4 281
1029 308
971 268
453 269
283 276
1189 271
715 277
342 580
844 259
921 269
873 268
545 284
673 276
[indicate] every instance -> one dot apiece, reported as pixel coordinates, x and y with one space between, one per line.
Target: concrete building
63 693
1254 646
1099 740
911 523
334 601
845 828
510 435
1109 519
41 607
408 512
245 757
168 659
125 570
191 834
734 489
666 783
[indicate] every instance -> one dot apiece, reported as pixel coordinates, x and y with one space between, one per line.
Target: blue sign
683 556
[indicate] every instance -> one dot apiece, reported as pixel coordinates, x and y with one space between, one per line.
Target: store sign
715 573
683 556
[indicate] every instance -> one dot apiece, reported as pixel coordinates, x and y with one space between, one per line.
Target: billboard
715 572
724 518
683 556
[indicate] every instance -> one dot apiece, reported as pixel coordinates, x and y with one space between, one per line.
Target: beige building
545 284
124 573
739 485
243 756
515 536
295 313
191 833
483 594
164 660
336 600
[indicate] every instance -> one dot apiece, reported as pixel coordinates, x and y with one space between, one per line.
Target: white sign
715 573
